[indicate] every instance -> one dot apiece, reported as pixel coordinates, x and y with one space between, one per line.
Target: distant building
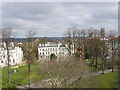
102 32
113 45
60 50
16 55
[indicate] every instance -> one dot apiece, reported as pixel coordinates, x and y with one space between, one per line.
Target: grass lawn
21 77
38 72
108 80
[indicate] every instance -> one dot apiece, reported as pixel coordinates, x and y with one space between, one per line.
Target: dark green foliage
77 55
53 56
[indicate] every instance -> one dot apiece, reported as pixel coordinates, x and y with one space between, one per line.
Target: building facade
16 55
59 50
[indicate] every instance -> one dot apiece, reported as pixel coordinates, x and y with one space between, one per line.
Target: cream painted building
16 55
60 50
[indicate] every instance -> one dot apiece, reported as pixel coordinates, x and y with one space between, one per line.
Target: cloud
51 19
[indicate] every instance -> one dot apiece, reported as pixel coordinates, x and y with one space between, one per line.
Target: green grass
108 80
38 71
22 76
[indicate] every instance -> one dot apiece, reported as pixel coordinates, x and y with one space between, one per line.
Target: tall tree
113 44
79 42
74 35
7 35
104 53
68 35
30 53
93 47
81 37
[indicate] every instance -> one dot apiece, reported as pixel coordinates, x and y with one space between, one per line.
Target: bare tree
90 32
74 36
83 39
79 42
95 47
29 53
64 73
7 35
104 53
68 35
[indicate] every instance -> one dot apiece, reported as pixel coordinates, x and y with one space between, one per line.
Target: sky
50 19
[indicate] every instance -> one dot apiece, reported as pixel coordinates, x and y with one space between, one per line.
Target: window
3 57
6 61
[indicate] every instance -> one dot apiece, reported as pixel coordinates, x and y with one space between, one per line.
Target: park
20 79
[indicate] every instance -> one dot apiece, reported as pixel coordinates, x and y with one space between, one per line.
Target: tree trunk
112 58
112 69
8 58
92 59
29 71
112 65
103 63
79 53
8 74
96 64
103 66
92 69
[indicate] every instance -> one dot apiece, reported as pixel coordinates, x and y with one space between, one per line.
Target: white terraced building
16 55
60 50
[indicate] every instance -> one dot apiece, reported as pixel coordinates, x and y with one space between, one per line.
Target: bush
99 67
53 56
77 55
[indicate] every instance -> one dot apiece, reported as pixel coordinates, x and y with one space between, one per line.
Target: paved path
100 72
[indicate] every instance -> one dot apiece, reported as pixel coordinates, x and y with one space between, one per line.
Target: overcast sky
51 19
